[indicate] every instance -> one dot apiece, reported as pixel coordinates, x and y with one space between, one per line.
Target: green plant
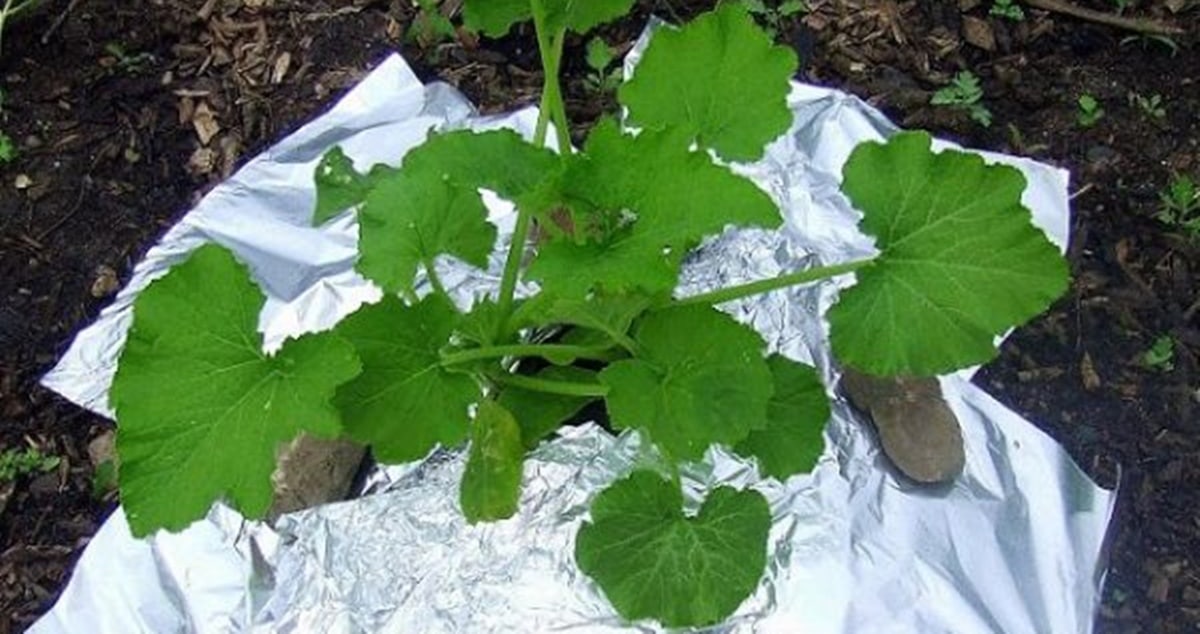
773 15
1122 5
601 78
127 62
430 25
11 10
1090 111
1180 205
1151 107
1161 355
15 463
1007 9
964 93
1148 39
202 409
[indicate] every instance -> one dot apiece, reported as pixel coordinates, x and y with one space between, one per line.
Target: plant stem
546 351
551 387
720 296
550 48
432 276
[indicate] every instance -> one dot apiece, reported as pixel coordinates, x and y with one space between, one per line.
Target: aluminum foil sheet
1012 546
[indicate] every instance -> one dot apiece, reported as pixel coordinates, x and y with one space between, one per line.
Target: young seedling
430 26
1007 9
964 93
1089 112
128 63
774 15
1180 206
1151 107
15 463
602 78
1161 355
202 409
8 151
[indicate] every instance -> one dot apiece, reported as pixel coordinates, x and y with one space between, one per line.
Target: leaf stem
550 48
546 351
551 387
432 276
722 295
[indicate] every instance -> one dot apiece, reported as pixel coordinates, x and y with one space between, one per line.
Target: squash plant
602 231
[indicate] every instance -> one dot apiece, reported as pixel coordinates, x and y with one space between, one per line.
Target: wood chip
105 282
1087 371
282 63
204 121
978 33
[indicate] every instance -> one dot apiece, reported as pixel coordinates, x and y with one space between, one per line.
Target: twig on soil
1139 25
41 237
58 21
1191 311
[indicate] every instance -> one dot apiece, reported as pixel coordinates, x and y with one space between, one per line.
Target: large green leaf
652 561
404 403
610 315
431 205
201 410
539 414
700 379
491 484
663 199
960 260
720 78
794 436
582 16
495 17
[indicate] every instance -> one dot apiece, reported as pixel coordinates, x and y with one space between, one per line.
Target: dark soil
125 112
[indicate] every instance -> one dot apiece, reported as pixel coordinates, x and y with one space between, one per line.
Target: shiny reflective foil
1012 546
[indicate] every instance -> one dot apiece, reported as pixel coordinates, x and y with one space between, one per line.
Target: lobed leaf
699 379
404 403
201 409
720 78
431 206
662 200
652 561
960 260
491 484
794 438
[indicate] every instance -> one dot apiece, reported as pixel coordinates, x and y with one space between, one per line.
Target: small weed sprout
1007 9
8 151
1161 355
15 463
129 63
1151 107
1090 111
1180 206
601 78
430 26
773 17
964 93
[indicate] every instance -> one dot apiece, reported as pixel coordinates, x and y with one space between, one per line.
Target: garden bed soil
124 113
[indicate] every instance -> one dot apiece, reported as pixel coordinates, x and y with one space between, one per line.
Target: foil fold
1012 546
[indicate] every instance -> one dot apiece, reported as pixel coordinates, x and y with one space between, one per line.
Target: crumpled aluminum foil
1012 546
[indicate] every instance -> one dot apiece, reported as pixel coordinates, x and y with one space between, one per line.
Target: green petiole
544 350
758 287
551 387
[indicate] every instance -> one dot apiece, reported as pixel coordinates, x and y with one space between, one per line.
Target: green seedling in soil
430 26
1007 9
602 77
773 16
1089 112
1121 5
1161 355
8 151
1179 206
126 62
15 463
603 230
964 93
1151 107
1146 40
